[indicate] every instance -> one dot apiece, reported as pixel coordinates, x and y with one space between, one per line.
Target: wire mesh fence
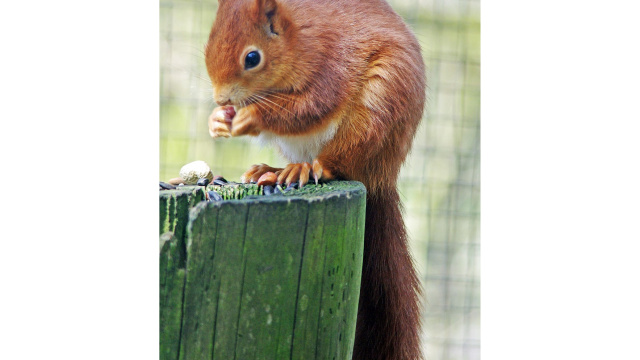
439 184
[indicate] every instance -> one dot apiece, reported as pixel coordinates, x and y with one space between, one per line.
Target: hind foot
300 173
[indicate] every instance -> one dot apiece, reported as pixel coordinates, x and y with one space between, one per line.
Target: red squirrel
338 86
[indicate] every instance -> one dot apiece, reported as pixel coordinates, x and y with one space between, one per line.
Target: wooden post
265 277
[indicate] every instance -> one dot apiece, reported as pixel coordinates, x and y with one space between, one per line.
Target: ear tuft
269 6
266 7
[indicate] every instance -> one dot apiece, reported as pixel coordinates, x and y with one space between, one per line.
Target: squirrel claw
320 173
317 170
295 173
256 171
304 174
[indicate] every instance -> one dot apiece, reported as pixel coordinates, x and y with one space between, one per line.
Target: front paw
245 122
220 121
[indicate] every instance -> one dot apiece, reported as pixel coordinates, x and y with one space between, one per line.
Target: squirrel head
250 50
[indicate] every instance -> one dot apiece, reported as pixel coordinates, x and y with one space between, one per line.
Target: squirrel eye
251 60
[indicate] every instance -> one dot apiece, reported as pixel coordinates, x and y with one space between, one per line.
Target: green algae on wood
269 277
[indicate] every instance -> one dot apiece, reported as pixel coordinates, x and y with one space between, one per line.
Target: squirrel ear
266 11
266 7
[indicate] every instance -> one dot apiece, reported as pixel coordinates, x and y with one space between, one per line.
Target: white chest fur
300 148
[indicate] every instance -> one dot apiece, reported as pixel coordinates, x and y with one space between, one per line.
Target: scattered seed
165 186
214 196
219 177
220 182
203 182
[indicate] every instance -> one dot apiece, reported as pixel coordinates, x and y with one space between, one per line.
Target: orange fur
356 66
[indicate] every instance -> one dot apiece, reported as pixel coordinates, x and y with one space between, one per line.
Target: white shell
194 171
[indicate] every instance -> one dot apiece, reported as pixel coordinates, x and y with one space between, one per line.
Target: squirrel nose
223 101
222 94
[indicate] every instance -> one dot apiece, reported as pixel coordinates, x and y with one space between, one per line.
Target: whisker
287 101
201 88
256 100
276 94
266 104
197 51
200 77
200 94
279 97
206 100
265 108
274 103
260 105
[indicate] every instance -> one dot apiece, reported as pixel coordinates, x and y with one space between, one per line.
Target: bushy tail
388 325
